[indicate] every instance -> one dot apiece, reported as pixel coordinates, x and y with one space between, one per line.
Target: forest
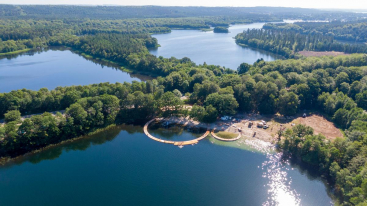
288 43
333 86
352 31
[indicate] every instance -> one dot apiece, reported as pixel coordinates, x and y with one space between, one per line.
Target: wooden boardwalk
177 143
227 140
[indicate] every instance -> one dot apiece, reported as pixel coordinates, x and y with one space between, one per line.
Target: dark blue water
53 68
212 48
122 166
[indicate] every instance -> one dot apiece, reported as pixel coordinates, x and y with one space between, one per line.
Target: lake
61 67
212 48
122 166
53 68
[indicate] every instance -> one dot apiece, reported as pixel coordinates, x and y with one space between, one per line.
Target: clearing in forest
319 54
321 126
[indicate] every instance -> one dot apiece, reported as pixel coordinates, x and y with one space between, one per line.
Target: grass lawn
226 135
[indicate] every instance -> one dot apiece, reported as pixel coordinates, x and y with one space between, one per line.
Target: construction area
266 127
263 127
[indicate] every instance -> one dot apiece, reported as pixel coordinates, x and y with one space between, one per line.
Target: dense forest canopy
341 30
287 42
220 29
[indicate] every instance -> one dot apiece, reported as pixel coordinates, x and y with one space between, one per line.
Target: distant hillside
121 12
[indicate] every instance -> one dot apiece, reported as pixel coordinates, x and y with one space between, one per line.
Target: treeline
31 29
342 160
258 14
117 103
130 50
355 31
287 43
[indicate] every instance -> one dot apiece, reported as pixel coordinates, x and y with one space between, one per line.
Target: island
221 29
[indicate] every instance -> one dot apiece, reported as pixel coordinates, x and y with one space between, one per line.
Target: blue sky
338 4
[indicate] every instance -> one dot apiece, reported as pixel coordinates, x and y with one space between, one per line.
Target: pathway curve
177 143
227 140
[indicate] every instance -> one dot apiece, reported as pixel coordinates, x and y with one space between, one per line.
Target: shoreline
185 122
15 52
238 125
102 61
5 160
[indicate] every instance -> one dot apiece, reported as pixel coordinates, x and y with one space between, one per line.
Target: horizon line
121 5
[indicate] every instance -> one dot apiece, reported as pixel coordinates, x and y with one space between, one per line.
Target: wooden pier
177 143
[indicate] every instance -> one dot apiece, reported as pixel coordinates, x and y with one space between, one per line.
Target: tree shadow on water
79 144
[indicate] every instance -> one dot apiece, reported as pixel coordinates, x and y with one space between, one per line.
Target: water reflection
133 164
81 144
280 192
212 48
98 62
58 66
174 132
276 171
279 170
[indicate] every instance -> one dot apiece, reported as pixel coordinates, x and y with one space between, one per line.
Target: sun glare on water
280 192
275 170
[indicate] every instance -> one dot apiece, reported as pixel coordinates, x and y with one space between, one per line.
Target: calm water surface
53 68
212 48
122 166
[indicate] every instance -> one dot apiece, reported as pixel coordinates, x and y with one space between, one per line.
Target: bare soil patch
319 54
321 126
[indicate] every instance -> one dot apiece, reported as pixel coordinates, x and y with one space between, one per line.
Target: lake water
53 68
122 166
60 67
212 48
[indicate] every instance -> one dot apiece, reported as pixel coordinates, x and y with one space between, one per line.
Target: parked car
260 124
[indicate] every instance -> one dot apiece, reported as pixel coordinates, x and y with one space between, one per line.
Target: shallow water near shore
122 166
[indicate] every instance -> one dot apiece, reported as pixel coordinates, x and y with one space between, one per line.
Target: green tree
225 104
170 104
77 112
361 99
211 114
243 68
288 103
13 115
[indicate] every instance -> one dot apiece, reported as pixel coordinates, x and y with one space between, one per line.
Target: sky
335 4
